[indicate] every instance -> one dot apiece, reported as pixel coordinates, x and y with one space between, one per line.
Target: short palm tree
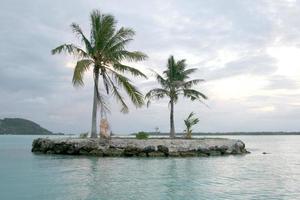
189 122
174 82
104 52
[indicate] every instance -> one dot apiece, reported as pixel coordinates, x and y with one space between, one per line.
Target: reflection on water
254 176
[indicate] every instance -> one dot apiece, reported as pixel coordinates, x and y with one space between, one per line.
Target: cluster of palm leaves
175 82
104 53
189 122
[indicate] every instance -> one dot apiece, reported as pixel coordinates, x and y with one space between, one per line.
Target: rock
239 145
174 154
142 154
202 154
215 153
132 151
83 152
50 152
188 153
133 147
203 150
212 148
149 149
223 149
96 152
60 148
156 154
163 149
113 152
72 151
42 145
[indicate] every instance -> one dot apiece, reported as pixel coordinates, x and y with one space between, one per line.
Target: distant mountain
18 126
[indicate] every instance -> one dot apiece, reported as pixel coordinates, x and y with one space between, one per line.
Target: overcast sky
248 51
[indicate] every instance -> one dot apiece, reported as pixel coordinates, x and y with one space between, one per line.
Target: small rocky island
129 147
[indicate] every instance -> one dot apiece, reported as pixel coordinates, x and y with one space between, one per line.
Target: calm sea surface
26 176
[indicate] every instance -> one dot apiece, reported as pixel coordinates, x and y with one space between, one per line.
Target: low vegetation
83 135
142 135
189 122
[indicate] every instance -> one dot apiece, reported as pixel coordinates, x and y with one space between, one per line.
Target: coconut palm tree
189 122
174 83
104 52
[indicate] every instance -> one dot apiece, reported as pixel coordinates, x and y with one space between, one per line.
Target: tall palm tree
189 122
174 82
104 52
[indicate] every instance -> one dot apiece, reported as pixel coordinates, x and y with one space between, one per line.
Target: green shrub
142 135
83 135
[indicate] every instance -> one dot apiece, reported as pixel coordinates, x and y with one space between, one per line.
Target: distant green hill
18 126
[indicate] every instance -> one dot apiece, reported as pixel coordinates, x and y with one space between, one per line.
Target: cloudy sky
247 51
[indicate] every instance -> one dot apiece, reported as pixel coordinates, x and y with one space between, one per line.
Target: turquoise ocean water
27 176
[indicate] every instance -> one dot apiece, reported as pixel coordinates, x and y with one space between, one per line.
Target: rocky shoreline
129 147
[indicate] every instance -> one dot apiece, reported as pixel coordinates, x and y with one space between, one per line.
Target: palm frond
132 55
162 81
118 96
103 28
171 69
100 98
181 65
191 83
124 68
106 81
189 122
124 33
77 30
193 94
81 67
135 95
117 48
114 54
190 115
120 35
71 49
195 121
156 93
103 103
189 71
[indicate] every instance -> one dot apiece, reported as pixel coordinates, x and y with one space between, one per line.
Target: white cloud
288 60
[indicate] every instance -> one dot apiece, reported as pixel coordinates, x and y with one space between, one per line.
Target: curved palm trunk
94 113
172 127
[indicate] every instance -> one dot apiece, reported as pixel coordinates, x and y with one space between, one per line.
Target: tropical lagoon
274 175
149 100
